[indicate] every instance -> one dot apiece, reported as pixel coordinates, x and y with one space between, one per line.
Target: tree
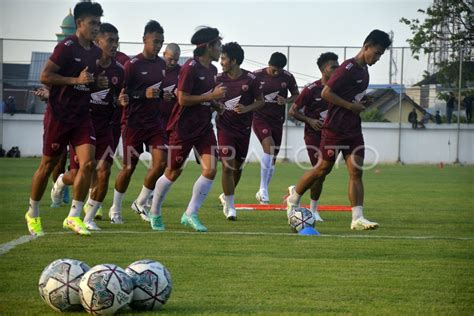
448 28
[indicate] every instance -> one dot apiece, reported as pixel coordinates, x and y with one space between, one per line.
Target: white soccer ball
152 284
105 289
59 284
300 218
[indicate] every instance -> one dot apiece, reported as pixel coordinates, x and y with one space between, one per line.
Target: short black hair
234 51
277 59
153 26
83 9
107 28
378 37
204 35
325 57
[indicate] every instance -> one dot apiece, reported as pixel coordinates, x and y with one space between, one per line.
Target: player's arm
50 76
186 99
329 95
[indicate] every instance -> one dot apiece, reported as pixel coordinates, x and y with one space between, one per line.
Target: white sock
201 188
143 196
314 206
265 169
295 199
93 207
76 208
60 185
162 186
150 198
357 212
89 196
33 209
270 175
116 207
229 201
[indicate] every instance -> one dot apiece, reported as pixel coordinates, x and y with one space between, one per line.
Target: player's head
171 55
153 37
232 56
208 41
276 64
375 45
108 39
87 17
327 63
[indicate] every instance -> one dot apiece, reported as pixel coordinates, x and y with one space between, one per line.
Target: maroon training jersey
170 84
313 105
191 121
140 74
350 82
243 90
119 110
70 104
103 101
271 88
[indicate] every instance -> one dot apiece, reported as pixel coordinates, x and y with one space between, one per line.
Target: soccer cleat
222 199
56 194
262 197
140 210
76 225
231 214
363 224
92 225
193 221
289 205
317 217
34 225
115 218
156 222
66 197
99 214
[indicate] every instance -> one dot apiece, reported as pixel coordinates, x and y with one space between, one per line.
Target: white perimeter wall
436 143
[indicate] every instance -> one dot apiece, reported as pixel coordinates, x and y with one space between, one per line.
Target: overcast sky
312 23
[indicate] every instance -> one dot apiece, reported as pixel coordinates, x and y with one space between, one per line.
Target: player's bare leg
356 193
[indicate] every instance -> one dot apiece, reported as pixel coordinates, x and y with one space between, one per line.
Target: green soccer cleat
194 222
156 222
76 225
34 225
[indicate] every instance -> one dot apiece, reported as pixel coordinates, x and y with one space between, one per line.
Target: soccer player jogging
102 105
69 74
342 129
311 109
243 95
144 75
190 126
268 121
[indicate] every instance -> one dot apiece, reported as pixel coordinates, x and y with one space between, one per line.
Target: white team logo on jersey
156 85
99 96
359 96
232 103
271 97
169 88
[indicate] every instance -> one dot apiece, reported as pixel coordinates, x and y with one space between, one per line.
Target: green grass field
420 261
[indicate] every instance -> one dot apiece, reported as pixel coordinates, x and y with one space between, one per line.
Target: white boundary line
6 247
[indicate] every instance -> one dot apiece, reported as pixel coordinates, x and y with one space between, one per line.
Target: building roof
386 99
38 60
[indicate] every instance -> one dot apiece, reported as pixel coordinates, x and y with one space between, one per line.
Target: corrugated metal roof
38 60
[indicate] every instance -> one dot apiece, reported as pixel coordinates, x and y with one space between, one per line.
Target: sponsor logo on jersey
323 115
144 72
169 88
202 78
77 59
232 103
206 103
359 81
68 43
271 97
156 85
99 97
349 66
359 96
82 87
317 99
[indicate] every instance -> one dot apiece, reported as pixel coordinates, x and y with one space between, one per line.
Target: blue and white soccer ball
105 289
152 285
300 218
59 284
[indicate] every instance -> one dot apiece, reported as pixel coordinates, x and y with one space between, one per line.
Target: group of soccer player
96 95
